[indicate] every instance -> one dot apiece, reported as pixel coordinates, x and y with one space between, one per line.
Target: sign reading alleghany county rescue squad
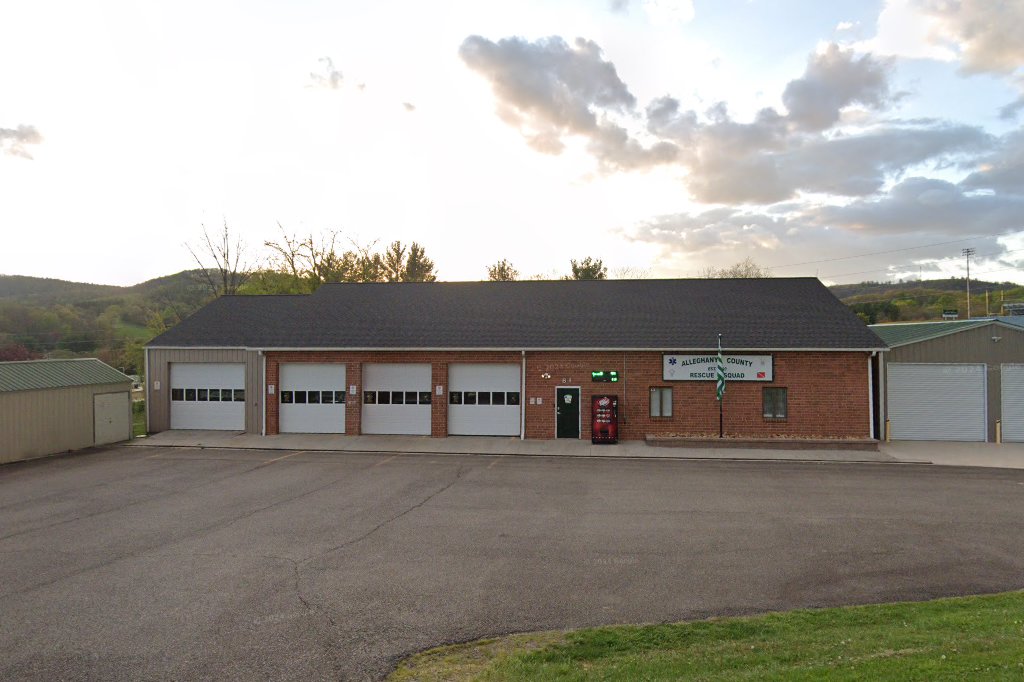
702 367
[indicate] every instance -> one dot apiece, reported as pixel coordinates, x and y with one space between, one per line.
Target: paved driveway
143 563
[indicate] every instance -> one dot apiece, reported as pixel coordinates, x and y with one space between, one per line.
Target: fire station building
521 359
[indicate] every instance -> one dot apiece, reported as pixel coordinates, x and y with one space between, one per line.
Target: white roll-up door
396 399
483 399
208 396
1012 399
936 401
112 417
312 398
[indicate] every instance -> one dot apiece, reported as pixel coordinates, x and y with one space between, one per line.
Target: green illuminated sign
605 376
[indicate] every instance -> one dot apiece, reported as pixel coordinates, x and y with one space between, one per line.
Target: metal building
954 380
52 406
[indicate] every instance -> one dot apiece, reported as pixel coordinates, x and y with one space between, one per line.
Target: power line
874 253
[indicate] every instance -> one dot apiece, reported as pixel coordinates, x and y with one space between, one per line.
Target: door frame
579 410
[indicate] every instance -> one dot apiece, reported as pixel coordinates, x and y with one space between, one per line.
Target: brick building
520 359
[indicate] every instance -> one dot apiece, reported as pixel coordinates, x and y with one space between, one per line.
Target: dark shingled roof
776 313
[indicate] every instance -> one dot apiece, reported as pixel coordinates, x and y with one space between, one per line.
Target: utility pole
967 253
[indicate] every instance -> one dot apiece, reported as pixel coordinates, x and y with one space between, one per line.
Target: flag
720 371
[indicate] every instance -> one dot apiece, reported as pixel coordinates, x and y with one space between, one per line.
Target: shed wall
159 406
972 345
45 422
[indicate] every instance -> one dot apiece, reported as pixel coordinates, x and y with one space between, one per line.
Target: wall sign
702 367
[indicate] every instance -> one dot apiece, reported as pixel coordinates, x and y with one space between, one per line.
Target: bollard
888 433
999 431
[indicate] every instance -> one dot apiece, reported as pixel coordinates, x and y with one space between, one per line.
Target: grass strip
946 639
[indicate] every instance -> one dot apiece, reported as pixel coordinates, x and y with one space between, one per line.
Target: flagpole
720 388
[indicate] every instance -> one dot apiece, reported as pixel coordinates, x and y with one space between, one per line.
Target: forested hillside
54 318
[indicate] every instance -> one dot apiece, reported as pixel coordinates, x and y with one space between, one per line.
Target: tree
230 270
16 351
588 268
502 271
412 267
744 269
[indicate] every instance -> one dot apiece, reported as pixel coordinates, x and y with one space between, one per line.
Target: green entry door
567 411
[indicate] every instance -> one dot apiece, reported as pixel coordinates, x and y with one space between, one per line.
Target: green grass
133 332
139 418
948 639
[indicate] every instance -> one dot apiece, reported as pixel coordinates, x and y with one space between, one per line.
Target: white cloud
13 141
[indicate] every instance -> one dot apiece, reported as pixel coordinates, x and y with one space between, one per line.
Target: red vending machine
604 415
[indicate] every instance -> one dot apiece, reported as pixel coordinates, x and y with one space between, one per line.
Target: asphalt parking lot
176 563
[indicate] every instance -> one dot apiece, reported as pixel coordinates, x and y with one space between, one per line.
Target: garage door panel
208 396
483 399
936 401
312 398
1012 398
384 385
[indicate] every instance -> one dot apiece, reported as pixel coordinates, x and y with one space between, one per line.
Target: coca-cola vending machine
604 414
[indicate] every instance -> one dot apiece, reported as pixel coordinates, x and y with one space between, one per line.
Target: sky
850 140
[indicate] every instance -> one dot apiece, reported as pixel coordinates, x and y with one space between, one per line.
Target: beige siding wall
39 423
975 346
159 405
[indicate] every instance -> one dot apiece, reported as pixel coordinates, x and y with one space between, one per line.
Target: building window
313 397
661 401
339 397
498 398
239 395
455 397
369 397
512 398
469 398
286 397
424 397
775 403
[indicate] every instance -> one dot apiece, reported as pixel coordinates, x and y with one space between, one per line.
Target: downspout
871 395
263 394
522 401
145 370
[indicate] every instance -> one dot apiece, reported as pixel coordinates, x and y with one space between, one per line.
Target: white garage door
396 399
208 396
312 398
112 417
483 400
1012 390
936 402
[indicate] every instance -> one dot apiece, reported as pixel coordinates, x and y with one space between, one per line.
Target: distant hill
925 299
56 318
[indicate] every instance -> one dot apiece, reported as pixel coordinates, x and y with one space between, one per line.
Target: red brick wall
827 392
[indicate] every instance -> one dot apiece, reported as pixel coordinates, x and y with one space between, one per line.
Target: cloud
986 34
835 79
1002 170
13 140
329 77
928 205
920 212
820 145
550 90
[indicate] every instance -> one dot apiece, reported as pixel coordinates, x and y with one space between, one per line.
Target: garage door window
479 397
201 394
775 403
177 394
